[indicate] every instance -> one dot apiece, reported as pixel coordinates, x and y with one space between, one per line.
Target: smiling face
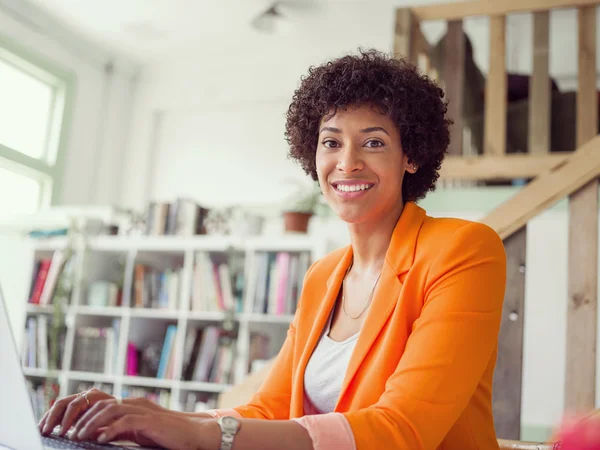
360 164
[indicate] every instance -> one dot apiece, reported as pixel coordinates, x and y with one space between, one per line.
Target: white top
326 369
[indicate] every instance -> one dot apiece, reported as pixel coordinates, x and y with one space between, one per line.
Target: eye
374 143
330 143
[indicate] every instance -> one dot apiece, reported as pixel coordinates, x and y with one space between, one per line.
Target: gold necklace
343 299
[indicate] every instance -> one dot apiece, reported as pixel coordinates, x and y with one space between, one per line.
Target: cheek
323 167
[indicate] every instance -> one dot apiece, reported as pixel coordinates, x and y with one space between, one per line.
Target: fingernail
103 437
80 434
46 429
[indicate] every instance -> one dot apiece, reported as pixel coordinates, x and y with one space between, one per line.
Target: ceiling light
271 21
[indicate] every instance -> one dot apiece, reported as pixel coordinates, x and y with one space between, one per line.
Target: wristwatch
229 427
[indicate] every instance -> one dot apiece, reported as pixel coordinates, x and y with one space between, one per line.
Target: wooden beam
580 384
507 167
548 188
405 42
587 98
507 384
495 90
460 10
422 44
539 105
454 78
582 311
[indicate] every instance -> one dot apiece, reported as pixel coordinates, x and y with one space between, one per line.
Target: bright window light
19 194
26 108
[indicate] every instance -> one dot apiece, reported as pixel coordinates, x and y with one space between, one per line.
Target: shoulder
323 267
439 236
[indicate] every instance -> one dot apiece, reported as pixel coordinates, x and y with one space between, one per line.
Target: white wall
231 101
98 130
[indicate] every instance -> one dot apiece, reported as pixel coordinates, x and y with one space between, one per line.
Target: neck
370 241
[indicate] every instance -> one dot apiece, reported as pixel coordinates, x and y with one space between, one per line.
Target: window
33 106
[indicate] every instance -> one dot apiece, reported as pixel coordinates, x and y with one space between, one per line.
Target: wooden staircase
554 176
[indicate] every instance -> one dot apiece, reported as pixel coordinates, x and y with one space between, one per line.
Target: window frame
48 170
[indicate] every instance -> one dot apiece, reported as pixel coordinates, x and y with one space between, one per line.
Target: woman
394 343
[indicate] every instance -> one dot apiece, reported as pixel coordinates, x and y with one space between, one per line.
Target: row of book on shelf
209 352
277 282
95 349
182 217
36 350
48 272
273 289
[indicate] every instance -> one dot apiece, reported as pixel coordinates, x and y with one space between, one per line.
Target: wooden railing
495 163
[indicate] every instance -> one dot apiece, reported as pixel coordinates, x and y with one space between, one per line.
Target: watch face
230 422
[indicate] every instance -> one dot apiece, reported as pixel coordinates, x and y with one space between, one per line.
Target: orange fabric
421 373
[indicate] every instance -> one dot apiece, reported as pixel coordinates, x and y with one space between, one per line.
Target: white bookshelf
97 258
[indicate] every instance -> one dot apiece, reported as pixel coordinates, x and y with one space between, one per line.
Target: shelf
90 376
37 309
281 243
267 318
148 382
49 244
40 373
212 316
113 258
153 313
204 387
110 311
167 244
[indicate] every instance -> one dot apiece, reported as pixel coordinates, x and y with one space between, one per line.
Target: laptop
18 428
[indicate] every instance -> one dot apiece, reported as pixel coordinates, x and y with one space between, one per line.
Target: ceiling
146 30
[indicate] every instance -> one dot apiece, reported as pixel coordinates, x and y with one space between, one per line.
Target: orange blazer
420 376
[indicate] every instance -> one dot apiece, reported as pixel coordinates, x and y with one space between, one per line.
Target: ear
410 167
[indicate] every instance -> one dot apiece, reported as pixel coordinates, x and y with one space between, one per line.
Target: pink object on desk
577 433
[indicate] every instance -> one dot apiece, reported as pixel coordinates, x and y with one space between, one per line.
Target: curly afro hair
414 103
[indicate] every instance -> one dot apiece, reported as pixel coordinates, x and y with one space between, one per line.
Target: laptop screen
18 429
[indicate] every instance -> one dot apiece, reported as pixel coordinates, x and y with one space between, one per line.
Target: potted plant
305 203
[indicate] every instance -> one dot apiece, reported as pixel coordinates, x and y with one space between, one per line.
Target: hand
109 421
67 410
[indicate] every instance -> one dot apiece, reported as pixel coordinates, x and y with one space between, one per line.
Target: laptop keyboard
60 442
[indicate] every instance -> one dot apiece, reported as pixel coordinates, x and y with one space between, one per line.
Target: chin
351 215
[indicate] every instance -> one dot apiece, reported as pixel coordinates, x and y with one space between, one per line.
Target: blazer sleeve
272 400
449 349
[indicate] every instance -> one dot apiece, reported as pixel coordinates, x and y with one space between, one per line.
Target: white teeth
352 188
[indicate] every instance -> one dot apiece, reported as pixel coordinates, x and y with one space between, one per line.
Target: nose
349 160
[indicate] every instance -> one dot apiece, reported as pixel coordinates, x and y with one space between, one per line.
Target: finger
75 409
88 414
56 413
42 422
105 417
130 425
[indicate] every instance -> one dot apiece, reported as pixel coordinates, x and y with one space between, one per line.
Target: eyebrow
371 129
365 130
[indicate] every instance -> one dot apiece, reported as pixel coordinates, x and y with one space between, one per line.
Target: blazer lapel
398 260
